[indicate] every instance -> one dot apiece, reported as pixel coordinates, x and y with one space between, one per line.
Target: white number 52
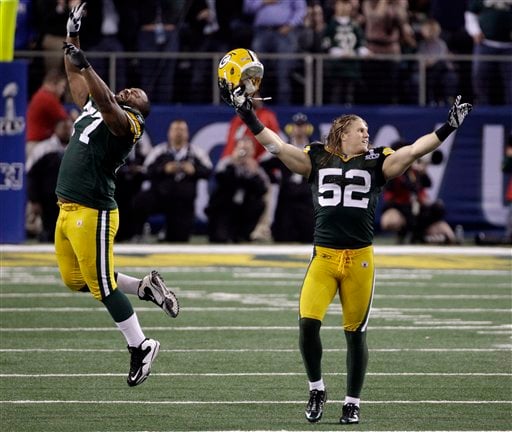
337 192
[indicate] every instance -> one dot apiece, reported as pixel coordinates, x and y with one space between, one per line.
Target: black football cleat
350 414
315 406
142 358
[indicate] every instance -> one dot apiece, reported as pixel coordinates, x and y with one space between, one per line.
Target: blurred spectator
45 108
408 212
490 25
386 29
276 30
209 23
293 217
128 183
344 41
237 201
441 76
52 16
109 27
310 35
160 22
173 168
450 16
42 168
357 13
237 130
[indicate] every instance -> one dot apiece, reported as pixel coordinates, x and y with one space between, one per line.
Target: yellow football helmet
239 71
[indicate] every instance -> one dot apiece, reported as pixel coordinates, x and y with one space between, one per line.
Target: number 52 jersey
345 194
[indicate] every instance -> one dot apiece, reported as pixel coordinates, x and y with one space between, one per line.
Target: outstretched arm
77 84
397 163
83 80
295 159
113 115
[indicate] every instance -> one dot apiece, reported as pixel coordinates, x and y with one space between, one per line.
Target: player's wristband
73 34
443 132
252 122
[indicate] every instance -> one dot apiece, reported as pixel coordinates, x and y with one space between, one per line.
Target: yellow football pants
84 243
349 273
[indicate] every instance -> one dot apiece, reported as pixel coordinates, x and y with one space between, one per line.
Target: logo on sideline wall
11 176
10 123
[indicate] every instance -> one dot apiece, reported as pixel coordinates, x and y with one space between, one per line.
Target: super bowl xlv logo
10 123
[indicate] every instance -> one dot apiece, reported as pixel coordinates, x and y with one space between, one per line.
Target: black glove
76 56
225 92
246 113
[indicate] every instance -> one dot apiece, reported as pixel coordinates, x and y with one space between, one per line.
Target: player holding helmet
239 75
346 177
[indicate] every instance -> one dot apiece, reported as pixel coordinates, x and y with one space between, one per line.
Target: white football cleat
152 288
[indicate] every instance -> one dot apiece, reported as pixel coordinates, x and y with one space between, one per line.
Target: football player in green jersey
346 177
103 135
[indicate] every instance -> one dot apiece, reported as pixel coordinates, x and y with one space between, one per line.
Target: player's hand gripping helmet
239 76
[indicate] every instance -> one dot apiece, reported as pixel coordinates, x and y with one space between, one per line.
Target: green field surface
439 337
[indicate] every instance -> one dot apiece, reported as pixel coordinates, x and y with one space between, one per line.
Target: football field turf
439 337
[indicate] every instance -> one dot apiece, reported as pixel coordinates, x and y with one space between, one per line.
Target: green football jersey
88 169
345 196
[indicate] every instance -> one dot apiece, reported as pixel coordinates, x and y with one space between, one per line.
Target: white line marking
251 350
323 430
248 309
507 327
187 293
240 270
274 249
254 374
248 402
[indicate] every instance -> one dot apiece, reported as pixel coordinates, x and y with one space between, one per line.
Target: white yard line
256 374
245 309
274 249
249 402
503 327
252 350
233 296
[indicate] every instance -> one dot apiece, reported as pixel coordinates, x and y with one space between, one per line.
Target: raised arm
397 163
84 80
77 84
295 159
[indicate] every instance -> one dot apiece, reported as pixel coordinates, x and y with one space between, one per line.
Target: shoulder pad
136 121
315 145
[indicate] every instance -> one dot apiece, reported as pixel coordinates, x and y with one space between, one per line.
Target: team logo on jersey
371 155
10 123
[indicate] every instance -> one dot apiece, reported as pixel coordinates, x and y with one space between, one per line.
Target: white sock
131 331
317 385
127 284
352 400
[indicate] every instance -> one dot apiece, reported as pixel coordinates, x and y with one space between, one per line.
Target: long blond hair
338 127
